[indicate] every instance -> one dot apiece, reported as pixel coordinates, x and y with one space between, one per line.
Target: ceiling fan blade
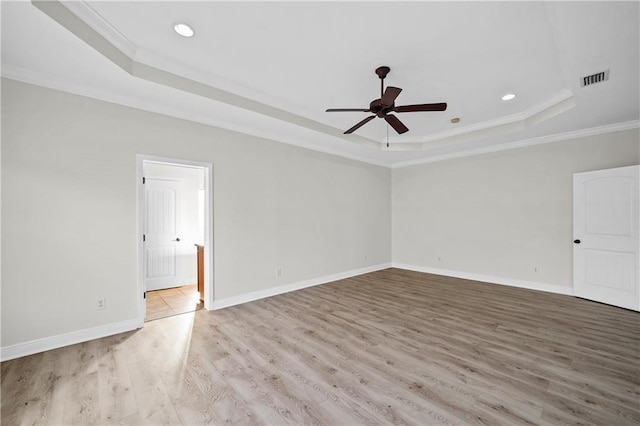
421 107
348 109
396 124
390 95
360 124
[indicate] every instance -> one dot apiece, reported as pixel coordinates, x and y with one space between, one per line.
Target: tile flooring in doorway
172 301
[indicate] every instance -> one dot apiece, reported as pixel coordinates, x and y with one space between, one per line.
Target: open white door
606 245
162 233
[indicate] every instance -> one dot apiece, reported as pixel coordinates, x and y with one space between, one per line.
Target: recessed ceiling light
455 120
508 97
184 30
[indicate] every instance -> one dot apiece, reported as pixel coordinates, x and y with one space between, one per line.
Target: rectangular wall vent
595 78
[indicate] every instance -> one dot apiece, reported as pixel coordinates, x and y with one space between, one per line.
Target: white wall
498 216
69 210
192 180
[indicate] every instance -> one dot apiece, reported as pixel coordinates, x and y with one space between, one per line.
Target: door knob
177 239
576 241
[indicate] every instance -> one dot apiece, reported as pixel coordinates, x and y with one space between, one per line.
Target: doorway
174 225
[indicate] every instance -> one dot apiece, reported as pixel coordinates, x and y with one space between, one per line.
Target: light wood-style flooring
172 301
390 347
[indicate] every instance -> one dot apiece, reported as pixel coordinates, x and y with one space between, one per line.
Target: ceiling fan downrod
382 73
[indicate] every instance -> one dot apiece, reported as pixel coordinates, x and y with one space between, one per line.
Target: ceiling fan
383 106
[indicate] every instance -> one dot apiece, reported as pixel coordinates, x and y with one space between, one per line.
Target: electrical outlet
279 272
364 257
535 269
101 303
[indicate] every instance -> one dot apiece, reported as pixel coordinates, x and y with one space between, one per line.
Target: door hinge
144 180
144 237
144 295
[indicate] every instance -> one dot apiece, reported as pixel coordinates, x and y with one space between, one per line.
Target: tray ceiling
272 69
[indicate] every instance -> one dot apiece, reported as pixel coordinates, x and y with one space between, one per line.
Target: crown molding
38 79
575 134
55 83
554 105
159 61
92 18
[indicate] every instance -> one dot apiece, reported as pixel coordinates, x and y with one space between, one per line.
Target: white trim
511 282
38 79
256 295
574 134
138 58
159 61
140 290
76 25
555 104
53 342
96 21
66 339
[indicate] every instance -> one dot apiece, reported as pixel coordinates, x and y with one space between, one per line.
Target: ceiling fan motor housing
379 109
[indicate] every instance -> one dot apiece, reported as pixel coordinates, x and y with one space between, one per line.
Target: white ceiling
272 68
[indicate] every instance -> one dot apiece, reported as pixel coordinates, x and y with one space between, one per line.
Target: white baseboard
531 285
58 341
256 295
54 342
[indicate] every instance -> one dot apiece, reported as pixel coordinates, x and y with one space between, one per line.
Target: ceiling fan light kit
385 105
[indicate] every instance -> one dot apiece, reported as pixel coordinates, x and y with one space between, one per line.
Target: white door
606 246
162 233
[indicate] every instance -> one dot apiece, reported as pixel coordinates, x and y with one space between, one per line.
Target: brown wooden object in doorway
200 270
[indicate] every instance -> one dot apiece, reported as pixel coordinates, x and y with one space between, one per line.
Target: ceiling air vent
595 78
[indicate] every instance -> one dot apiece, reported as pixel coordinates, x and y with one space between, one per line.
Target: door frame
209 287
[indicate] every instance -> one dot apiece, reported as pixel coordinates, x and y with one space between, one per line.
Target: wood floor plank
47 396
390 347
82 405
115 389
153 402
19 378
